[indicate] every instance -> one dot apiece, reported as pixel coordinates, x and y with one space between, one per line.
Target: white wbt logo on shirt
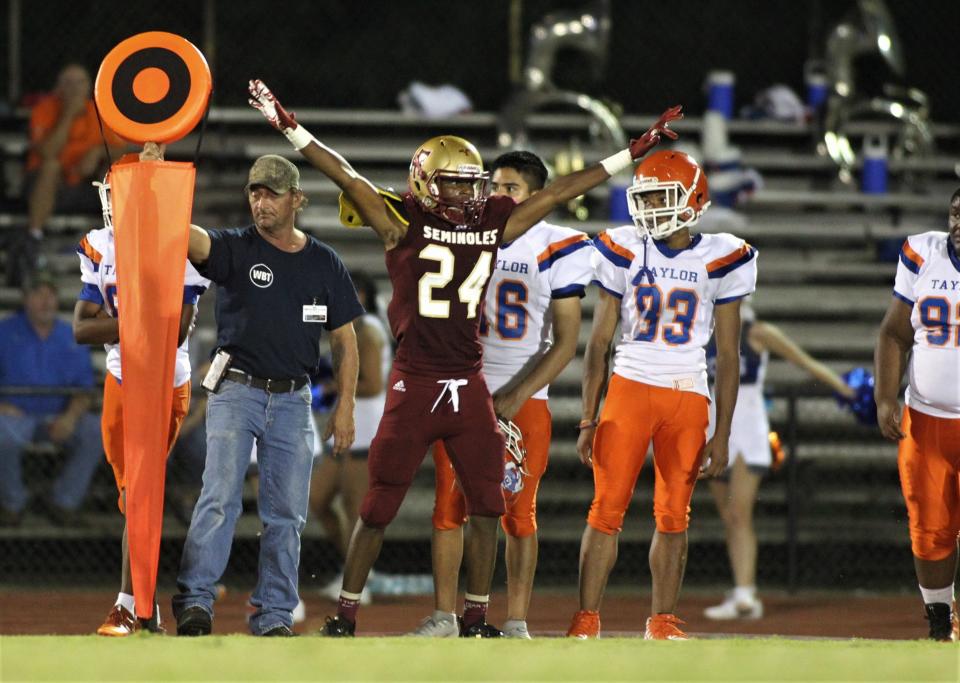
261 276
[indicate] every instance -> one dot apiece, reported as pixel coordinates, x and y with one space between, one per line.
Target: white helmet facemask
103 189
674 215
514 439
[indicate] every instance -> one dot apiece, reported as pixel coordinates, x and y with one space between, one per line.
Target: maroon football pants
419 411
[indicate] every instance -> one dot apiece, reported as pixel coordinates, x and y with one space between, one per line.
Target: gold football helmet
448 180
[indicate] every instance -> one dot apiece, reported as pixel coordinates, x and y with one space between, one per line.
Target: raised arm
894 342
358 189
772 338
596 369
539 205
198 248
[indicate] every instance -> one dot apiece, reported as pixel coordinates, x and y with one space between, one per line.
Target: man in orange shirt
66 149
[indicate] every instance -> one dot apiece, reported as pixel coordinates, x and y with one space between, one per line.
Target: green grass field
242 658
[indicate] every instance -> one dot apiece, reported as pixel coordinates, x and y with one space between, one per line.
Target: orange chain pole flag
152 87
152 203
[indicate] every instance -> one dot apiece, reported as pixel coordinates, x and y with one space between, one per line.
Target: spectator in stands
751 454
67 150
347 475
37 351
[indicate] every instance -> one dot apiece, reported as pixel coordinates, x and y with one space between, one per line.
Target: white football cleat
438 625
516 628
734 609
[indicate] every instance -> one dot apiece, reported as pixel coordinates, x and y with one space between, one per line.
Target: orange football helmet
447 179
684 185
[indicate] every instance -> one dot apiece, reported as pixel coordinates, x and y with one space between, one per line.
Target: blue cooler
874 176
617 203
720 92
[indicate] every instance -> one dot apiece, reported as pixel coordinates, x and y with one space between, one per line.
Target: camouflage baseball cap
274 172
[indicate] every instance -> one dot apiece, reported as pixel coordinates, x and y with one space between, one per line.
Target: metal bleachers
820 279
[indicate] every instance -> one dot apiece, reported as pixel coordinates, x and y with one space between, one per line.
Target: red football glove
643 144
261 98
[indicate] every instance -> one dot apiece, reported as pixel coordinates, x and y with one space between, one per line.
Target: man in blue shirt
277 288
37 350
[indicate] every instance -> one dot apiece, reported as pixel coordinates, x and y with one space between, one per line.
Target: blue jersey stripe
954 256
902 298
910 265
746 258
192 293
560 253
96 266
607 290
612 256
728 299
91 293
568 291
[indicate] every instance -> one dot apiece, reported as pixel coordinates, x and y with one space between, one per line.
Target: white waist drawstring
453 386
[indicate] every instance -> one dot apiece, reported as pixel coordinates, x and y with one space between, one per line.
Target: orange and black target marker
153 87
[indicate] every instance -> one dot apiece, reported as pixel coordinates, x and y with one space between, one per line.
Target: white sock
483 599
743 594
125 600
932 595
514 623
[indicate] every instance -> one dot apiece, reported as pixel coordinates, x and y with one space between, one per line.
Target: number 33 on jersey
667 297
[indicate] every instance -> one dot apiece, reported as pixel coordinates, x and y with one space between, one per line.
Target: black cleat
338 627
481 629
153 625
194 621
279 632
943 622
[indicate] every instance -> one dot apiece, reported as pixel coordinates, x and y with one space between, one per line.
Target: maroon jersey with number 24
439 273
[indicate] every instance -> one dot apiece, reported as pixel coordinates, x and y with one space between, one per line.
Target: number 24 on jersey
469 292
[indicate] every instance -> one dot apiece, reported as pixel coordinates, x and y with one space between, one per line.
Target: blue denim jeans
84 452
238 415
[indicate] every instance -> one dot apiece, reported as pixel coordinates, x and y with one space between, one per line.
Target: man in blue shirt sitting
37 351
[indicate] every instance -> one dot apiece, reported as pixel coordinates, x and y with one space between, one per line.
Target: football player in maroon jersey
440 238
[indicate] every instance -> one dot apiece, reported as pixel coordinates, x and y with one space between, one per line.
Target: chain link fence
831 517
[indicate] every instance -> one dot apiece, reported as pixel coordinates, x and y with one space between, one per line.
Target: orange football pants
632 415
929 462
520 519
111 425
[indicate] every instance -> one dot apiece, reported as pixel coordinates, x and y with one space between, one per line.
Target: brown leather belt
271 386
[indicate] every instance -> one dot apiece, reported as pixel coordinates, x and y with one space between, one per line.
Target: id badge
314 313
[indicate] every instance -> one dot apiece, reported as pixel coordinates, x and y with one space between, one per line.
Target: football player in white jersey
667 289
529 333
924 318
96 321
